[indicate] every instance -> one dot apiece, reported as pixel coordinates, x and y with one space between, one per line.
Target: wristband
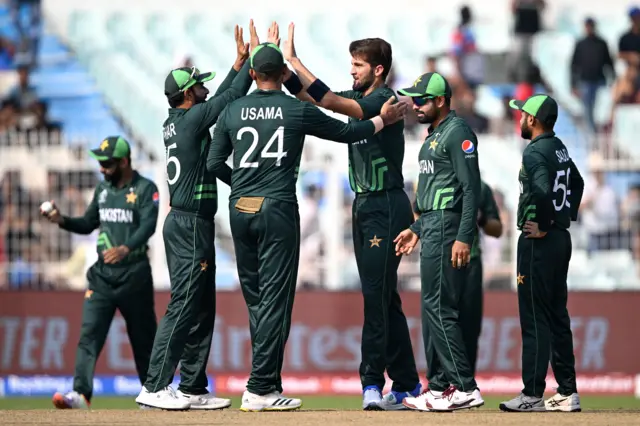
317 90
293 84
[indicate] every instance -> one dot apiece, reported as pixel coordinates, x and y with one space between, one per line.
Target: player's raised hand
405 242
289 51
273 35
392 111
242 48
460 254
254 41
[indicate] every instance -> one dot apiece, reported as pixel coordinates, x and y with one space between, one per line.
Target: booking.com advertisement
39 333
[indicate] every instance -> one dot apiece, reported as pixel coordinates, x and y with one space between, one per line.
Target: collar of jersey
267 92
449 116
543 136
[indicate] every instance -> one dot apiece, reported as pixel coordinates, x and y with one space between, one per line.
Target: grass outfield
349 402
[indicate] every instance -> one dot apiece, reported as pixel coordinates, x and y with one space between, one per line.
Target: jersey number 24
279 154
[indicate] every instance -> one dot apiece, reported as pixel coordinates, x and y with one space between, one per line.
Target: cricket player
550 193
488 221
185 332
265 131
124 208
447 199
380 211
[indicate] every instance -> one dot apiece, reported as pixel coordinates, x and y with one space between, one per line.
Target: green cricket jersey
488 209
265 131
126 216
187 138
550 184
449 177
375 163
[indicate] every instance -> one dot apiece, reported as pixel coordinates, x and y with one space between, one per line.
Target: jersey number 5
564 187
172 160
278 136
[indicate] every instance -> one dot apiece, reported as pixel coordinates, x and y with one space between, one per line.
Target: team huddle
264 132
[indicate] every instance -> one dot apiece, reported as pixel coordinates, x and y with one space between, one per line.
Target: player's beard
525 131
363 84
114 177
426 118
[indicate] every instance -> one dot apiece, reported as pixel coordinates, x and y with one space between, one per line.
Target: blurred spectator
600 214
430 64
26 16
311 238
8 116
464 106
629 44
23 95
527 22
468 61
590 65
7 52
625 89
631 220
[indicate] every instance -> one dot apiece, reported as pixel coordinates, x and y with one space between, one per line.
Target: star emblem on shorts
375 242
520 279
131 197
432 145
204 265
104 145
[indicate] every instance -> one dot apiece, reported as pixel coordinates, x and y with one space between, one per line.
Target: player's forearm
467 228
228 80
223 173
542 197
242 81
144 232
78 225
306 77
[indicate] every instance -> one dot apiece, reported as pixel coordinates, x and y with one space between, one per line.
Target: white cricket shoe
524 404
422 402
164 399
207 401
453 399
70 400
273 401
393 400
371 399
566 403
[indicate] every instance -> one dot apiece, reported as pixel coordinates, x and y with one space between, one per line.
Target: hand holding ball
49 210
46 208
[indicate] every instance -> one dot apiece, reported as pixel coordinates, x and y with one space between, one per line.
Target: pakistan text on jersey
169 131
116 215
261 113
427 167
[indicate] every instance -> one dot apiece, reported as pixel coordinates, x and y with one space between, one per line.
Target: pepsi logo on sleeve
468 147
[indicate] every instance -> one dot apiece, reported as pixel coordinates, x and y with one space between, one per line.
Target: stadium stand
100 71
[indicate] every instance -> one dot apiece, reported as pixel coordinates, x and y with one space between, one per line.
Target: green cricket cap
266 57
542 107
427 85
113 147
183 78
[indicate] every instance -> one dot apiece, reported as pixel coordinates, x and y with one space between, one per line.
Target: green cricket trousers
266 236
377 218
185 332
442 291
543 265
127 287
